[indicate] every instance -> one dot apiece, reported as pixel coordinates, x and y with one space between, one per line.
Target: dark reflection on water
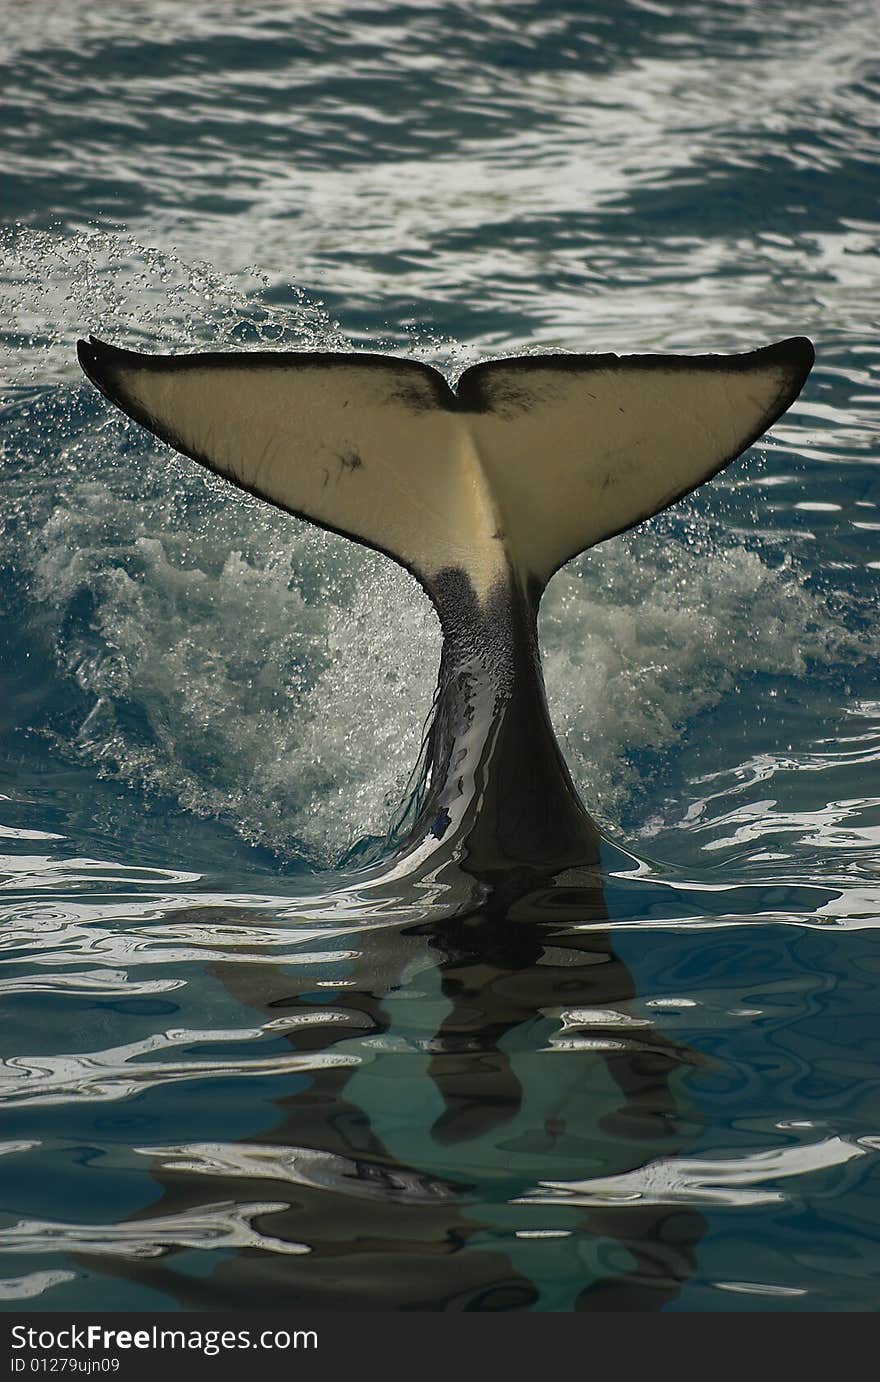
480 1058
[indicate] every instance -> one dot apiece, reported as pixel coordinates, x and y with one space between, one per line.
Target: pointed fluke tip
97 360
94 347
801 351
87 355
797 353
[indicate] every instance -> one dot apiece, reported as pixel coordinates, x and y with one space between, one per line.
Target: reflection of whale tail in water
482 493
479 1096
483 1078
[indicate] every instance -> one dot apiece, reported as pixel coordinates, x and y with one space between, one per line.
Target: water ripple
735 1181
208 1227
119 1072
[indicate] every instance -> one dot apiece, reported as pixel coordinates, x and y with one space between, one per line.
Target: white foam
647 631
241 663
256 669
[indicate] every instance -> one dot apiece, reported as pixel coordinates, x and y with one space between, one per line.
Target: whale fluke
482 492
530 460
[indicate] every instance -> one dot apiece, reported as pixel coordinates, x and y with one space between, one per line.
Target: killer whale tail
528 462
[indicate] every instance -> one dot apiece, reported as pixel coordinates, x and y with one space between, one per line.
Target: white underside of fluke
532 461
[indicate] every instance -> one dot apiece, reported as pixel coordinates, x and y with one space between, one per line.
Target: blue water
234 1072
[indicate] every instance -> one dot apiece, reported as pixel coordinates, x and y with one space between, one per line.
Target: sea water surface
235 1072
